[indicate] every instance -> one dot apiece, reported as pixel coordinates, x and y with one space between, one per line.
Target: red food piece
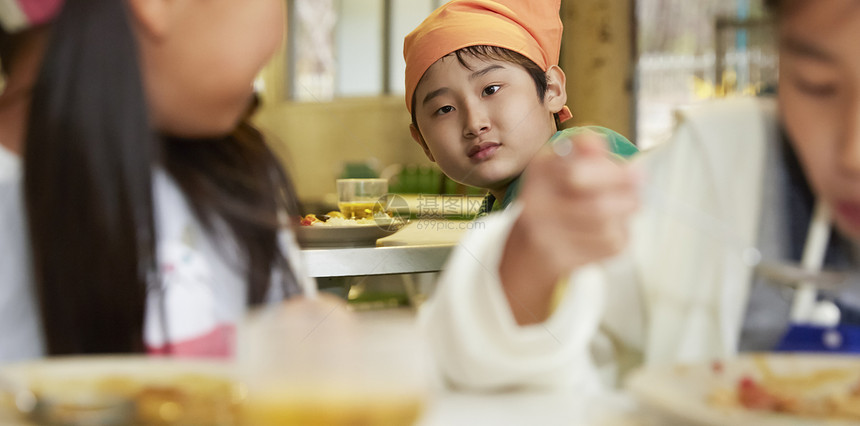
717 367
754 396
308 220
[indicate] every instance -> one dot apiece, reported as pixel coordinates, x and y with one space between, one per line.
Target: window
695 50
349 48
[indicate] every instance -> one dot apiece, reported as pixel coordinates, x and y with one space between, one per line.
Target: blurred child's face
819 95
200 58
483 124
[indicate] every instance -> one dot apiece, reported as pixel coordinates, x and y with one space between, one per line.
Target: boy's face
819 96
483 124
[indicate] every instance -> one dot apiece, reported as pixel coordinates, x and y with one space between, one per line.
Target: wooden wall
598 58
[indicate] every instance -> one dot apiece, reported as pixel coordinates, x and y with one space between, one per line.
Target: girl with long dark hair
150 213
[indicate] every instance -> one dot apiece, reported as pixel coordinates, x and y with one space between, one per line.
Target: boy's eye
489 90
444 110
818 90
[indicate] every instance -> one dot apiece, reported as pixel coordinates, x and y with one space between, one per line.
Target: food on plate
173 400
832 393
336 218
309 220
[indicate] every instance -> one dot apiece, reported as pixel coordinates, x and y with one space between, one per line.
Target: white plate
680 394
345 236
133 366
65 377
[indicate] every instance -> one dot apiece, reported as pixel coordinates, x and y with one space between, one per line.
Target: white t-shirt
9 163
204 295
20 330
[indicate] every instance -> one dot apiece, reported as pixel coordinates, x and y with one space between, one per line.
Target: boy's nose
849 155
477 122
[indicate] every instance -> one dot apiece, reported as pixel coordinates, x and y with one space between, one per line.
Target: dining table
421 246
434 225
409 259
442 405
447 407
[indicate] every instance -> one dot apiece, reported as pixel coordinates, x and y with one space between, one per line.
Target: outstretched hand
577 201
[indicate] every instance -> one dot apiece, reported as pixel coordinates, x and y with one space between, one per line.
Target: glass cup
313 362
361 198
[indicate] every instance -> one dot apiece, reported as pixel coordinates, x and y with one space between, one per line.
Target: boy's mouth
483 150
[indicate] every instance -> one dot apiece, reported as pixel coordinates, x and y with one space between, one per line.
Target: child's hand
577 200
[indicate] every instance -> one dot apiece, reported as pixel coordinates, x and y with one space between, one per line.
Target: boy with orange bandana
472 70
486 95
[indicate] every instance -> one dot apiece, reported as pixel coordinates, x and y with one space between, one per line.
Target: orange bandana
531 28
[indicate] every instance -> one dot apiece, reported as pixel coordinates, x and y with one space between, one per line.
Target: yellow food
302 408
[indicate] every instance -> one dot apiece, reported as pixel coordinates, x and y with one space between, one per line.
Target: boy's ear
416 136
152 17
556 92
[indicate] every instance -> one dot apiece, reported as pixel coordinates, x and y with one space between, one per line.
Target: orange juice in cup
361 198
313 362
360 209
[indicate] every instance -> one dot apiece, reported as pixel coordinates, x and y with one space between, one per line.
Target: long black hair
90 152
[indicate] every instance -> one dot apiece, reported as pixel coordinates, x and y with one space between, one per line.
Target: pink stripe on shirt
218 343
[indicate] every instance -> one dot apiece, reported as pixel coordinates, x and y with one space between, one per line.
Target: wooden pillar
598 56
